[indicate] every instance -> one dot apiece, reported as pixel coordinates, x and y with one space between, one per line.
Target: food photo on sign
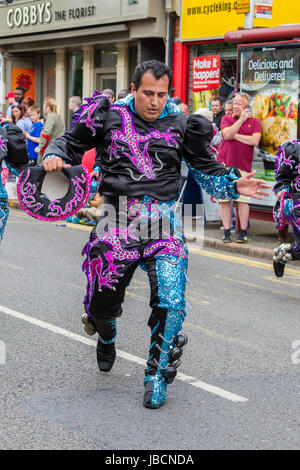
270 75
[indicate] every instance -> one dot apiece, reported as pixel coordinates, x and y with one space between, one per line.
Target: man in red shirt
241 132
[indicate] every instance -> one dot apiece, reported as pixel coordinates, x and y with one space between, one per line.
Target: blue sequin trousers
165 322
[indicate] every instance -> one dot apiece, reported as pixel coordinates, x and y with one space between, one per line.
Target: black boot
281 255
106 355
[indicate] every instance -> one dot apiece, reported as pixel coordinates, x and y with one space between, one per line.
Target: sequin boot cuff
155 391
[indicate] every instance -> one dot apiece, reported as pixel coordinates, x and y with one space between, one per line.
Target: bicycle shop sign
43 13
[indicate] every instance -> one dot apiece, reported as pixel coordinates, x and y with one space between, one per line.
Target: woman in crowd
53 128
18 117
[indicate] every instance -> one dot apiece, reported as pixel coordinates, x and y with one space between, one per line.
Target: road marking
246 261
279 281
228 339
124 355
256 286
11 266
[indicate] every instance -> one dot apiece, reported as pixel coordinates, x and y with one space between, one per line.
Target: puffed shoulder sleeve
197 152
286 160
207 171
85 133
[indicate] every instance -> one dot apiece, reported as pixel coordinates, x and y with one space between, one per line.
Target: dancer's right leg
107 281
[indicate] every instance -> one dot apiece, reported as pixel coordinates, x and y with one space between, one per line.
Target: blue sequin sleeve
221 187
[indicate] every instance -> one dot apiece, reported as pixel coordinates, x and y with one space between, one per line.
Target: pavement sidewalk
263 237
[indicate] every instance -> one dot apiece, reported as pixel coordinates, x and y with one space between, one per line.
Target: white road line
124 355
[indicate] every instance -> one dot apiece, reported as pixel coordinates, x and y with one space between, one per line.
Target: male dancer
140 141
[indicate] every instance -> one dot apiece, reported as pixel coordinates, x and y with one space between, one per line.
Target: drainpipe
249 17
169 38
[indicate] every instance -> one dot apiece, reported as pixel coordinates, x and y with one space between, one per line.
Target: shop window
228 64
133 61
48 76
76 74
106 58
75 78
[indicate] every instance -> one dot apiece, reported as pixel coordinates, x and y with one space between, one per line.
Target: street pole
249 17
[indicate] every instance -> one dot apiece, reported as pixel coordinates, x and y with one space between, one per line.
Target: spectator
229 107
74 104
110 94
184 108
27 103
177 100
33 137
193 194
19 94
218 113
241 132
10 97
90 214
19 118
53 128
123 93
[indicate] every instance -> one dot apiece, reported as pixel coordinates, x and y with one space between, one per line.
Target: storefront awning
263 34
67 37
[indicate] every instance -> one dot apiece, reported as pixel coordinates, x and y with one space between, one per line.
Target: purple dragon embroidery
166 247
129 135
3 145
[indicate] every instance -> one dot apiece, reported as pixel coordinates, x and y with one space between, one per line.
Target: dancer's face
151 96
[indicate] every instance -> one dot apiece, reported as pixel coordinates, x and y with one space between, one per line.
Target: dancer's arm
211 174
86 133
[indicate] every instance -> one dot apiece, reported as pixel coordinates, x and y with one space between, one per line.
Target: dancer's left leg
167 276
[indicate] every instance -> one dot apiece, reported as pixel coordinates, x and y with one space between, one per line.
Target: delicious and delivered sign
206 73
269 73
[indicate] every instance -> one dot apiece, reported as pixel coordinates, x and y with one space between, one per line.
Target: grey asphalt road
238 386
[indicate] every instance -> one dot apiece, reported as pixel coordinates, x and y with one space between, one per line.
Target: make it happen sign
206 73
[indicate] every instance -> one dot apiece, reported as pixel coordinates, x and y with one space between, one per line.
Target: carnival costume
13 157
140 164
287 208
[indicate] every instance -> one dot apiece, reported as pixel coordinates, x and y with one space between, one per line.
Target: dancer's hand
248 186
54 164
279 194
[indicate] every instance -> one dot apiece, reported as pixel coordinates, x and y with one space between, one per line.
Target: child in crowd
88 215
33 137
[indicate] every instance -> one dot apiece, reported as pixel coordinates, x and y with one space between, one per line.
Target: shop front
62 49
212 59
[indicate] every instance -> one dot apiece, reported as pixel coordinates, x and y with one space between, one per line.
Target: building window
228 56
48 76
106 58
75 85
